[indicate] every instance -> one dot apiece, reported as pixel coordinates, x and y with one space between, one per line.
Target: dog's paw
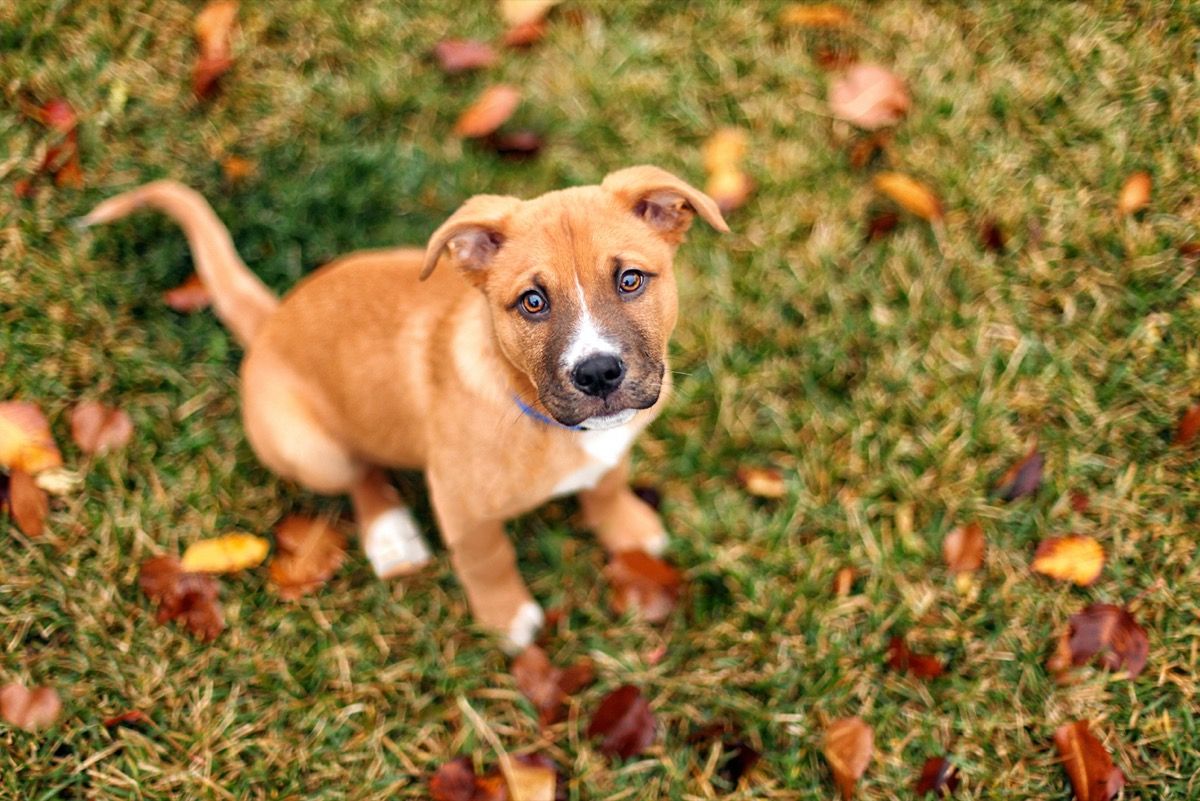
394 544
656 544
524 627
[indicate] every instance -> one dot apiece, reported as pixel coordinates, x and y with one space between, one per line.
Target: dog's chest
604 449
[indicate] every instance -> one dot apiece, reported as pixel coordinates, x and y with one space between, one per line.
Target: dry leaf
1023 478
1104 632
61 160
525 35
132 718
25 440
817 15
624 723
192 295
849 744
308 553
762 482
1089 767
1189 426
836 56
460 55
864 150
869 96
843 582
902 660
1080 501
522 12
881 225
97 428
27 503
489 112
214 34
1135 194
546 686
724 150
456 781
189 597
938 776
29 709
992 236
1076 558
730 189
963 548
1189 249
910 194
237 169
528 781
643 583
227 554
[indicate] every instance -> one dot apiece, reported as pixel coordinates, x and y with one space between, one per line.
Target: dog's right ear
473 234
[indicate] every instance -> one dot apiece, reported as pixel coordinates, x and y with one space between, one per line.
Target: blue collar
529 411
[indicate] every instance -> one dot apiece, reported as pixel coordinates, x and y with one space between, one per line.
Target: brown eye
533 302
631 281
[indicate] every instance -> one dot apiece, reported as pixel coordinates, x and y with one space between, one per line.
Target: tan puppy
521 375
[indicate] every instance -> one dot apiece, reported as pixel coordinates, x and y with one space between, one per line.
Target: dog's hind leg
389 533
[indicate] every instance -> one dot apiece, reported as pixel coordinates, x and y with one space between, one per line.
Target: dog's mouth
600 415
608 421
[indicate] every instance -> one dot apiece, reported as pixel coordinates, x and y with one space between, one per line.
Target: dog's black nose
599 376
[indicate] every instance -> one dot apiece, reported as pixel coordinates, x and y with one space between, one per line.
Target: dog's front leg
621 520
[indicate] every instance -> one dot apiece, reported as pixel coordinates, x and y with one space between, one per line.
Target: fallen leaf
992 236
902 660
762 482
730 189
1080 501
523 12
227 554
454 781
849 744
97 428
214 34
461 55
624 723
192 295
864 150
1189 426
546 686
307 554
843 582
61 160
131 718
525 35
1076 558
528 781
491 110
516 145
1088 764
869 96
29 709
1023 478
834 57
27 503
910 194
817 15
1135 194
237 169
1104 632
938 776
963 548
1189 249
25 439
188 597
724 150
643 583
881 225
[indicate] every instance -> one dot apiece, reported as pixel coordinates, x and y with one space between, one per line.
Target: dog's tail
240 300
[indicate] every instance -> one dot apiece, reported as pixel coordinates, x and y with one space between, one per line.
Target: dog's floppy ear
473 234
666 203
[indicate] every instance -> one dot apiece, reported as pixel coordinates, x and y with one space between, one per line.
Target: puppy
519 372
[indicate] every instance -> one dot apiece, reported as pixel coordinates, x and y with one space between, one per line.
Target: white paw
394 544
524 627
657 544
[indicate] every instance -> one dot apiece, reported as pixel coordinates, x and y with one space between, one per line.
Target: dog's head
580 285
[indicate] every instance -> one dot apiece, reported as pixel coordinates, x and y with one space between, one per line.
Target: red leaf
525 35
1089 767
624 723
1189 425
130 718
61 160
214 34
902 660
992 236
1080 501
460 55
1023 478
881 225
546 686
1106 633
188 597
642 582
938 776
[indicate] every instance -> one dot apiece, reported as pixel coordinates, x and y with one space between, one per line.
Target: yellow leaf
1135 194
1076 558
227 554
910 194
527 782
724 150
817 15
25 439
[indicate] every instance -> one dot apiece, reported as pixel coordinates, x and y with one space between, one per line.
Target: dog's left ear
473 235
666 203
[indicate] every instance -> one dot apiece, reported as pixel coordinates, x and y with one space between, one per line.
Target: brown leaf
849 744
910 194
1080 501
624 723
1089 767
132 718
1104 632
460 55
643 583
546 686
192 295
902 660
1076 558
938 776
188 597
25 439
237 169
525 35
963 548
843 582
881 225
97 428
762 482
1189 249
992 236
817 15
1189 426
869 96
29 709
61 160
528 781
27 503
523 12
1135 194
1023 478
491 110
214 34
516 145
307 554
834 57
867 149
454 781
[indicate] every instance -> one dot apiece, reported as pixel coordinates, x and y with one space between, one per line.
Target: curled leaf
188 597
849 744
1135 194
963 548
133 718
910 194
308 553
624 723
214 35
1076 558
227 554
869 96
1104 632
1088 764
643 583
97 428
491 110
29 709
25 439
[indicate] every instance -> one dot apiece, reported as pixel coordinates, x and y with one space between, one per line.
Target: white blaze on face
587 340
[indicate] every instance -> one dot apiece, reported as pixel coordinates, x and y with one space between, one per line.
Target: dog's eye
631 281
534 303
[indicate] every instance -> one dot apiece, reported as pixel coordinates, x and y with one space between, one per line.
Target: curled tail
240 300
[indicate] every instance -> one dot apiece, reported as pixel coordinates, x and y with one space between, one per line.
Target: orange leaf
307 554
843 582
817 15
97 428
28 503
869 96
1089 767
192 295
525 35
188 597
489 112
214 33
1135 194
902 660
963 548
849 744
1076 558
643 583
25 440
762 482
237 169
29 709
910 194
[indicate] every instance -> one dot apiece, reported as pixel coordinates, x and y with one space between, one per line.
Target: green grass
892 381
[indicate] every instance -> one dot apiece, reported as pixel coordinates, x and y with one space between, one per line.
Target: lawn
891 381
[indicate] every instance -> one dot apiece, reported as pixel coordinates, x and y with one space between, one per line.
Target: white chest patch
604 449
